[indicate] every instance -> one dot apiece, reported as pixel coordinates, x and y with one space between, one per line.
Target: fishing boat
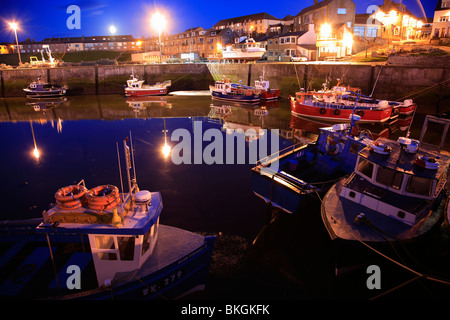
262 85
396 192
251 51
40 89
335 105
286 178
100 243
136 88
223 90
405 108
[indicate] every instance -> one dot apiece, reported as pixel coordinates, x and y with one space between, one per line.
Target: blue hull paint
168 278
236 97
304 171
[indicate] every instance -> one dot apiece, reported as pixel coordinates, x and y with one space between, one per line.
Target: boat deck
339 215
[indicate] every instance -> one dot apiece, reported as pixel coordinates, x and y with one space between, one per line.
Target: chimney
316 1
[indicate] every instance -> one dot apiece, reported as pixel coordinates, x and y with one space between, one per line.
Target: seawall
430 84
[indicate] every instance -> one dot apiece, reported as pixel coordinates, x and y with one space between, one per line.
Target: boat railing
266 161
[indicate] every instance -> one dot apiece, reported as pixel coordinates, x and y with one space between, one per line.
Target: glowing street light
14 26
159 22
112 29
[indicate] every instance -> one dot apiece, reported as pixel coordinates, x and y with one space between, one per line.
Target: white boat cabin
120 240
397 179
134 83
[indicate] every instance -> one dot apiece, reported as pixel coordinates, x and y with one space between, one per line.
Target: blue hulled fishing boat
223 90
102 244
40 89
397 191
286 178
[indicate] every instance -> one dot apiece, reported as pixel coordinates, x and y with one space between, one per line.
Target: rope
418 274
423 90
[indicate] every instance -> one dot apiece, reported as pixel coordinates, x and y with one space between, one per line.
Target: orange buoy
103 197
70 197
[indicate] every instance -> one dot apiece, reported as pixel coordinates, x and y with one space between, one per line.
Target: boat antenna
132 157
128 162
120 168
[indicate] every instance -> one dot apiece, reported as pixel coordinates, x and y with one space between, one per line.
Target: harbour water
76 139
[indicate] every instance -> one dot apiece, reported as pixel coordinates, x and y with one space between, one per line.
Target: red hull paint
340 115
145 92
406 110
271 95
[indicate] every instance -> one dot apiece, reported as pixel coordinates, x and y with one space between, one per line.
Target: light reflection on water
76 139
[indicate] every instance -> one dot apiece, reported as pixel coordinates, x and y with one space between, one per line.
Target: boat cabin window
105 243
148 236
419 185
126 248
108 249
365 167
389 177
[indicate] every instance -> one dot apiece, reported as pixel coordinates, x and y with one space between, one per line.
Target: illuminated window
341 11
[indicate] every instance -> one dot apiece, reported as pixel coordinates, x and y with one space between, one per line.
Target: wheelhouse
396 183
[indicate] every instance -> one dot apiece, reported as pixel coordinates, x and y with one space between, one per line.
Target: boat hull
406 110
234 96
271 94
45 93
339 213
145 92
178 266
335 114
242 55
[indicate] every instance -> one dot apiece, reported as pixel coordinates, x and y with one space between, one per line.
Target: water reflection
196 197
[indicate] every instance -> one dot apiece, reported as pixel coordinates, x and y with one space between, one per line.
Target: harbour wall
430 84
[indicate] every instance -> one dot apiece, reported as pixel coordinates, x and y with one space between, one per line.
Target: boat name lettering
162 283
190 255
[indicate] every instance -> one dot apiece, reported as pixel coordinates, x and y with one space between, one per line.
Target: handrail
278 154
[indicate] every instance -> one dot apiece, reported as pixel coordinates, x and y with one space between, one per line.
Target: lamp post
13 26
159 22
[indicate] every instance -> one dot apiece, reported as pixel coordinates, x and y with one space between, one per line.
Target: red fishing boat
136 88
336 105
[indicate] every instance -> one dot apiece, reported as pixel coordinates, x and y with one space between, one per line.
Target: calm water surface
77 140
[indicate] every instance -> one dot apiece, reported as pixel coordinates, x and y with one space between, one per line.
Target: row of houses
326 28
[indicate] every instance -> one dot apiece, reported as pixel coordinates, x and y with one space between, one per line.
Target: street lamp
159 23
14 26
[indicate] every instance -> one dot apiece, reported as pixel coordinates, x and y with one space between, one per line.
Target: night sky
42 19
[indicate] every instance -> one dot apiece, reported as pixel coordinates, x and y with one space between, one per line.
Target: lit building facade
397 22
441 20
326 11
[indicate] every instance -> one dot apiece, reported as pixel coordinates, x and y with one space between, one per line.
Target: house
73 44
283 47
441 21
397 22
334 42
366 26
325 11
194 43
245 25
